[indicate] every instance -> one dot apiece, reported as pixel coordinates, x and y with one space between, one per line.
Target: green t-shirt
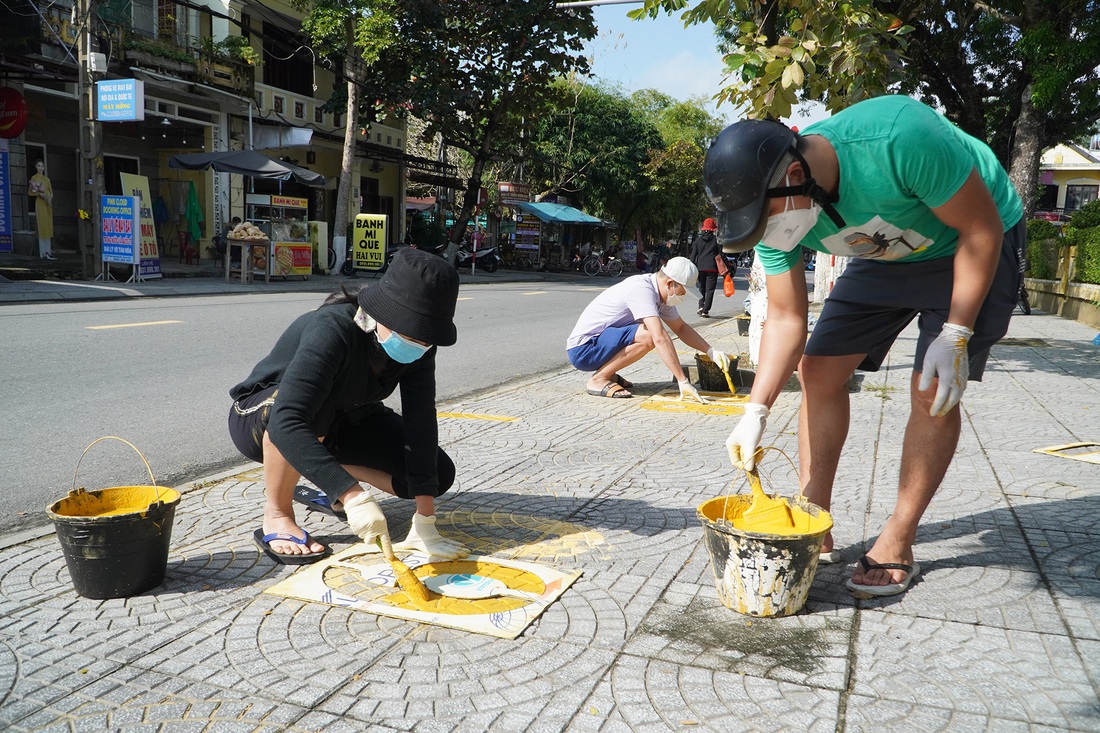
899 159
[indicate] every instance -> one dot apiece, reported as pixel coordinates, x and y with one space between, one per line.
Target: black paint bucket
115 540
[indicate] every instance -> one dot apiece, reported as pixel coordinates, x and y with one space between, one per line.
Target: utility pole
89 145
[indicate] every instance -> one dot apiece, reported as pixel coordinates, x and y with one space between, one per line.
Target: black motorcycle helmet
738 166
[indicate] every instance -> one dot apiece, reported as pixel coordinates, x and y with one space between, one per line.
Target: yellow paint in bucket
759 573
113 502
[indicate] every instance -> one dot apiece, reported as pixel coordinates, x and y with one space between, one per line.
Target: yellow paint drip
409 583
114 501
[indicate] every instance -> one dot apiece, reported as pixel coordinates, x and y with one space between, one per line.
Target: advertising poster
121 225
6 238
293 259
368 251
138 186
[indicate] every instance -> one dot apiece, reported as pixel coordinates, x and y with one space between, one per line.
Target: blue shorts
591 355
873 302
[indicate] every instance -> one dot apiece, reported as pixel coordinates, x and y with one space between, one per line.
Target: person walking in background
704 253
40 188
313 407
935 230
626 321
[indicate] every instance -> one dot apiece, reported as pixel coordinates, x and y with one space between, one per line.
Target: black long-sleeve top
703 251
328 369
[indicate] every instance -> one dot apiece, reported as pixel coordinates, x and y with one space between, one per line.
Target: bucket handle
123 440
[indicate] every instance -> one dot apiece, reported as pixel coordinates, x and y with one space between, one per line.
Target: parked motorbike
484 259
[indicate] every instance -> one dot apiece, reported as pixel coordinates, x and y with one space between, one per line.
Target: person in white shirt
626 321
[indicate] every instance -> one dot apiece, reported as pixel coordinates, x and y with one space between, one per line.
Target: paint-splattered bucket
711 378
115 540
761 574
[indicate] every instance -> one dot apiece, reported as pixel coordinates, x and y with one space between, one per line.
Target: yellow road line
466 298
536 292
130 325
474 416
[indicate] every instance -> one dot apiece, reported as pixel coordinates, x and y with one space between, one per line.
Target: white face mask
786 229
673 298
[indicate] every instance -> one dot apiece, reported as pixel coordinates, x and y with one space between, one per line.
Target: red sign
13 113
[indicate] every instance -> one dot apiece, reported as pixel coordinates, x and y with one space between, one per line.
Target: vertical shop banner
134 185
6 238
121 217
369 249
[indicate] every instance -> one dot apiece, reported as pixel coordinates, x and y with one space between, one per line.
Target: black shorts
377 441
872 302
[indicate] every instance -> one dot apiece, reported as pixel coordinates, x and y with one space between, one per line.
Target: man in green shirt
936 231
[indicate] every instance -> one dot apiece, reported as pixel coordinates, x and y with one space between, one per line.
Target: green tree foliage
677 200
1043 241
591 145
478 72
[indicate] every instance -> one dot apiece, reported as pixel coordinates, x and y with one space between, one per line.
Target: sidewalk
1001 631
31 280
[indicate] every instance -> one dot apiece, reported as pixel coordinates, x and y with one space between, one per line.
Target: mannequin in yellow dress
42 190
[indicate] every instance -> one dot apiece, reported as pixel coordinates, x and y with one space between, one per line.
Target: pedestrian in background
704 253
935 230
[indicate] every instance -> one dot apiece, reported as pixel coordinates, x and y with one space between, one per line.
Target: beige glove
365 518
424 536
688 392
720 358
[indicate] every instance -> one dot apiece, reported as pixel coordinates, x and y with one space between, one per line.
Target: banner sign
134 185
369 249
121 217
511 194
13 113
120 100
6 238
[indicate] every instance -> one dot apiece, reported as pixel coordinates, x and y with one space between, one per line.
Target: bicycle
594 265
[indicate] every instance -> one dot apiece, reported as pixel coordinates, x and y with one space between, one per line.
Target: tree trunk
351 120
469 201
1026 152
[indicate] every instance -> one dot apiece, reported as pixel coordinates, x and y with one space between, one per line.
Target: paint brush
765 514
406 578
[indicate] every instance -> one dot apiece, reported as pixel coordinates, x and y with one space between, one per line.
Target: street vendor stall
284 220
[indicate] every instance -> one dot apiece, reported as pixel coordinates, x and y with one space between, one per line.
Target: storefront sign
138 186
289 202
6 239
368 251
120 100
121 216
292 259
13 113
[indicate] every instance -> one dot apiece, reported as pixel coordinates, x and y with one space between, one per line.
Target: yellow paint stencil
1087 452
361 579
475 416
718 403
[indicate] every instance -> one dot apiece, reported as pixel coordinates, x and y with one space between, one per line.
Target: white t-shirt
621 304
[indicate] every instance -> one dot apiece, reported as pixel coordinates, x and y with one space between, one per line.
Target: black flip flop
612 390
625 384
263 541
316 500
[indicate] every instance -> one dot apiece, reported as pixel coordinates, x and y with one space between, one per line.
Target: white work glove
366 518
688 392
745 438
946 360
720 358
425 537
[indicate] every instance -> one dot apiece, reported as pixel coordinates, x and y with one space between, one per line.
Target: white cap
683 271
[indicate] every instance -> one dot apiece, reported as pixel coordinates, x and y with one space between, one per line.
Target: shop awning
558 214
248 163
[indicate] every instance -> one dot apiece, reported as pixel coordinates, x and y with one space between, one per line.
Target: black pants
707 282
377 441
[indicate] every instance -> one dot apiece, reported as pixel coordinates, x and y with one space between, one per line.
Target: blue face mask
401 349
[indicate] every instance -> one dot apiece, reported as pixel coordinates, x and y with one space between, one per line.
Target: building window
300 110
1078 196
278 104
318 116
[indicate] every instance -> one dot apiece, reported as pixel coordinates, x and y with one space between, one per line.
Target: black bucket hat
416 298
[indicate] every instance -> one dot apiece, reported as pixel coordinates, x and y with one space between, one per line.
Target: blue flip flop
263 541
316 500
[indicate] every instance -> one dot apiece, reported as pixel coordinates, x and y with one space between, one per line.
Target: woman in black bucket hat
313 408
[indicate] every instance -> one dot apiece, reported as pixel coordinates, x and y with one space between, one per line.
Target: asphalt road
157 373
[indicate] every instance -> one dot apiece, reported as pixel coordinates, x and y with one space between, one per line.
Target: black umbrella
247 163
